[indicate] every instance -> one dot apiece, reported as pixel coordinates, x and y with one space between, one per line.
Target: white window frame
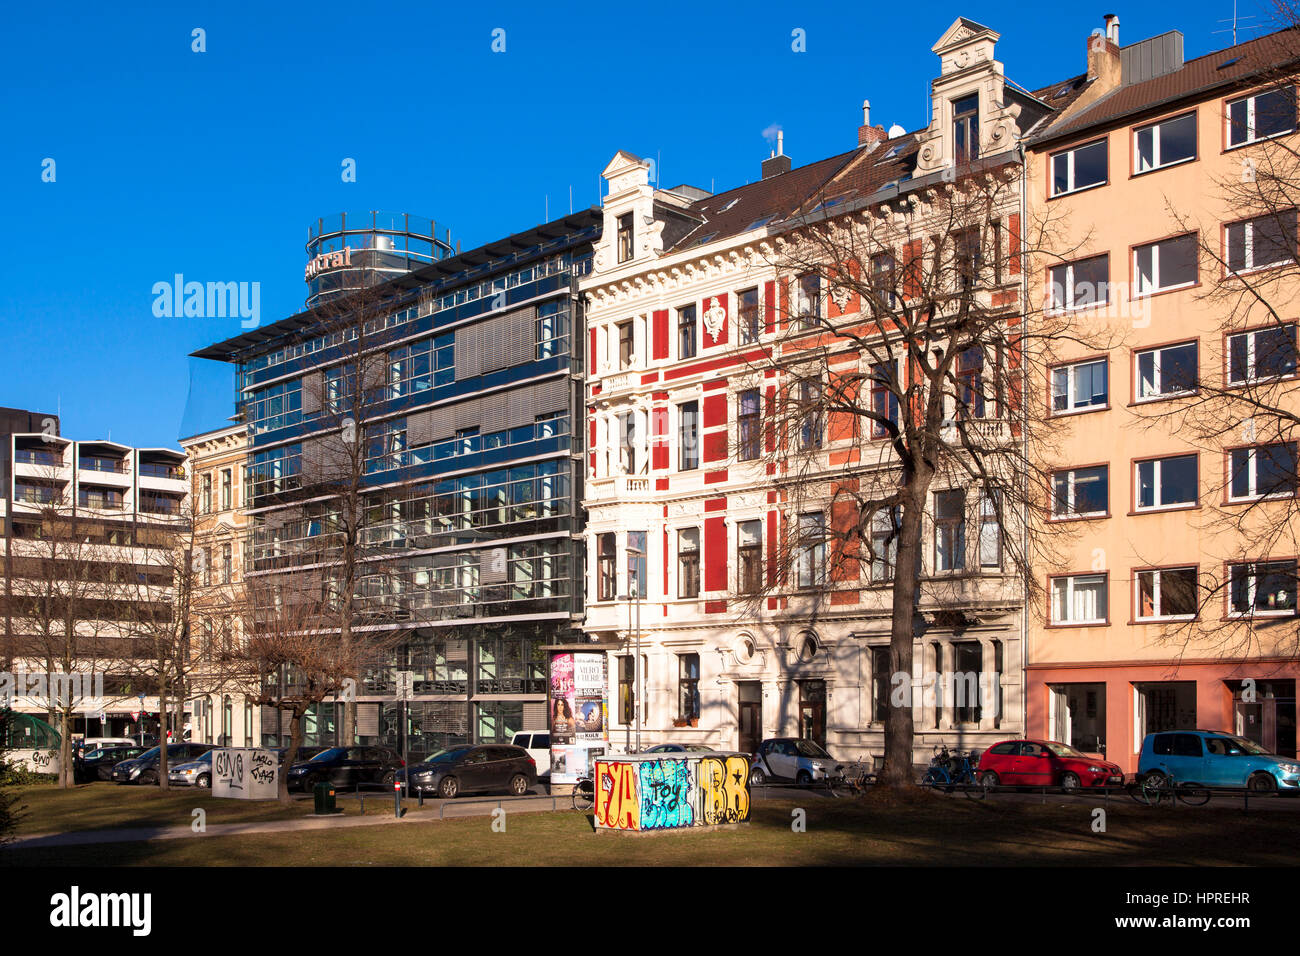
1156 143
1070 581
1156 596
1248 247
1251 359
1155 248
1070 372
1158 484
1252 471
1068 286
1070 175
1252 571
1159 372
1249 131
1071 472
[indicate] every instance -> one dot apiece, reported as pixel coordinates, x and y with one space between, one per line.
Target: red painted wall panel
715 554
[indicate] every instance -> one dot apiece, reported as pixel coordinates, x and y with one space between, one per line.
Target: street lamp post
634 598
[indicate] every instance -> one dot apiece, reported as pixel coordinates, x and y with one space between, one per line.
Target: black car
98 764
346 767
144 768
467 768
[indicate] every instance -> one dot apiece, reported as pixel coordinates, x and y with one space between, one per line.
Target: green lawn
932 830
99 806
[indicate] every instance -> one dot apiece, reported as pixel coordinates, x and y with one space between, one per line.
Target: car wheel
988 779
803 778
1261 783
1069 782
519 785
148 777
448 788
1151 788
309 783
756 777
390 778
204 781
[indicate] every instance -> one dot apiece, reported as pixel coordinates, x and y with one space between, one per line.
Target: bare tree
897 406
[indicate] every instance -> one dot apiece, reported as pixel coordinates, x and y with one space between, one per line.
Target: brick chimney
778 162
1105 70
868 133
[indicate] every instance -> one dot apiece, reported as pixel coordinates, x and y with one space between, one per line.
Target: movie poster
561 703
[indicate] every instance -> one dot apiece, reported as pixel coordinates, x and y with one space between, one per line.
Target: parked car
144 768
98 764
538 745
792 758
1216 758
468 768
1044 763
304 753
87 744
195 773
346 767
678 749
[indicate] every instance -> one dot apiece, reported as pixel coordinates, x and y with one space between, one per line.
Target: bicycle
950 770
584 793
1155 787
856 778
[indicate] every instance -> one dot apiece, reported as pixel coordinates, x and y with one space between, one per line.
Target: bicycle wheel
1193 794
932 778
974 789
583 795
1154 787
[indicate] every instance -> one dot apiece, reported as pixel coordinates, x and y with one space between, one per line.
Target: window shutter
534 715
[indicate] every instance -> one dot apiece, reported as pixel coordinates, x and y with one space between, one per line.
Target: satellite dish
895 131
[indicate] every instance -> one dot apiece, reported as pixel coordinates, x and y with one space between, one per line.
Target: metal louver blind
521 344
467 357
534 715
368 720
420 429
495 412
457 651
313 390
552 396
270 720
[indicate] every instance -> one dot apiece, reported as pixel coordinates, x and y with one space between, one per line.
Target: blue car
1216 758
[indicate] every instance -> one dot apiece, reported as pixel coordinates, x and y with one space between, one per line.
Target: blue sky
213 164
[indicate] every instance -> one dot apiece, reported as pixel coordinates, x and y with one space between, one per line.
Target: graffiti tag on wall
616 800
671 792
666 791
724 789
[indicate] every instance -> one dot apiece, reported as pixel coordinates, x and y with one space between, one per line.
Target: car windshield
1232 747
149 754
334 753
1061 750
807 748
448 756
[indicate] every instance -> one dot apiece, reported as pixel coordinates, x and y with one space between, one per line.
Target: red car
1044 763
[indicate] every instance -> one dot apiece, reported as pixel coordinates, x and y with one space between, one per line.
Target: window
552 329
207 567
1079 599
688 563
747 310
227 488
1165 143
688 686
1263 471
636 563
207 494
885 528
749 556
811 562
968 665
688 418
1261 242
1265 587
625 344
625 244
1079 387
605 567
1079 168
227 562
880 684
627 689
627 442
966 128
410 369
1261 116
1261 354
810 414
884 398
968 256
883 278
687 336
1167 594
385 445
990 531
1082 284
748 424
1168 264
1166 482
970 383
1166 371
950 530
1081 492
808 300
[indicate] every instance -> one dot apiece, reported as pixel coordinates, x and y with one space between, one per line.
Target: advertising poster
561 703
577 708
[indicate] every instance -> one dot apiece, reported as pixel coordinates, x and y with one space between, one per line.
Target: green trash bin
324 794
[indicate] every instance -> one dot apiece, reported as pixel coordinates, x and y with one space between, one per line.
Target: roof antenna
1235 21
570 199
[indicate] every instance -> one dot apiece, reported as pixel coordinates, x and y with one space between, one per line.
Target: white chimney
780 142
866 112
1112 28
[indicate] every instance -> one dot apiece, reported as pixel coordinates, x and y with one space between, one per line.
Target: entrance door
812 711
750 704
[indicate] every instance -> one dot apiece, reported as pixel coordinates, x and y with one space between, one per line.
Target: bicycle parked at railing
1154 788
855 778
584 793
951 769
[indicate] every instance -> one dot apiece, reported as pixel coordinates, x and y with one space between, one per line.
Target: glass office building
471 478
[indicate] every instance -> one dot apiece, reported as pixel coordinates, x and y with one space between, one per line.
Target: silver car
196 773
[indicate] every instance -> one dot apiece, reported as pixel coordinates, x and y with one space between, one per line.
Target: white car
792 758
538 745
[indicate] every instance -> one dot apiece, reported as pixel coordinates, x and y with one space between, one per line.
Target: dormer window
625 237
966 128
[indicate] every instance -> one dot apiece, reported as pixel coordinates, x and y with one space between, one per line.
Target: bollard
397 799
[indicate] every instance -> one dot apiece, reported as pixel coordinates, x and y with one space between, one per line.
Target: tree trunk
162 733
291 755
65 776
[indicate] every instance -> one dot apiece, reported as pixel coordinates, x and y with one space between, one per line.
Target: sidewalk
433 812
